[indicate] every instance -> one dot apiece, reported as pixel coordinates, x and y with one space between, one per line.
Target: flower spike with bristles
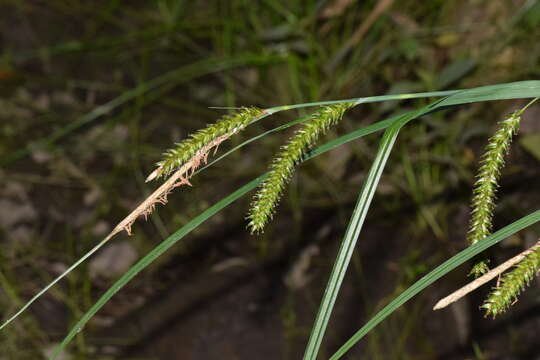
212 134
512 284
282 168
485 188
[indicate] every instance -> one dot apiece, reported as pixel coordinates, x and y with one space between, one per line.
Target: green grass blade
515 90
366 100
348 243
353 230
189 72
436 274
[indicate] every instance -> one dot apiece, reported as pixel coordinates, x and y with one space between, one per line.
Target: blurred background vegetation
92 92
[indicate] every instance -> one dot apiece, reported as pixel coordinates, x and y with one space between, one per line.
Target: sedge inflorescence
485 188
282 167
512 284
198 141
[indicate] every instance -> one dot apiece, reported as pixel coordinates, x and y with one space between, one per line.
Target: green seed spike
185 150
283 165
512 284
485 188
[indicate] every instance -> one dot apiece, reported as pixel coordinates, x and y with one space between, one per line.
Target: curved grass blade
354 227
436 274
366 100
513 90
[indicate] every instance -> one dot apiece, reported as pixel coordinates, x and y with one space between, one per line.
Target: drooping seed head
485 188
191 147
512 284
282 167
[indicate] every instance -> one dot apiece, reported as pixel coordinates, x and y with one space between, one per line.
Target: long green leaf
354 228
436 274
514 90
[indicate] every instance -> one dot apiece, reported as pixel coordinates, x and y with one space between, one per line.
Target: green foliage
257 51
329 146
485 188
283 165
393 125
195 145
512 284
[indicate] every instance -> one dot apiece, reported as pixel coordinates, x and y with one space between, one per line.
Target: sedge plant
191 156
